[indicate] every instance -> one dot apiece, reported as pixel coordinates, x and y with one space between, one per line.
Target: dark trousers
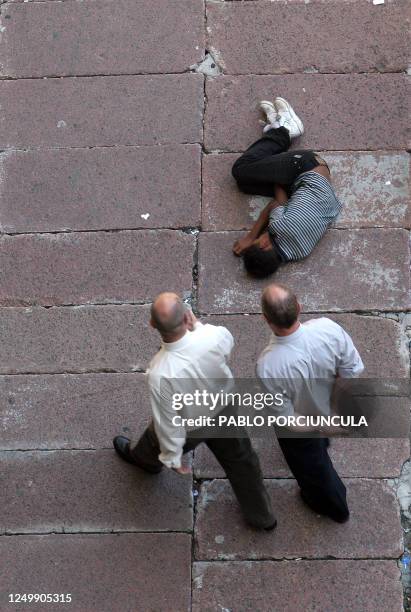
321 487
237 458
268 162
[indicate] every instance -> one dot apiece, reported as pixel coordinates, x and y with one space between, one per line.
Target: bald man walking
307 356
199 352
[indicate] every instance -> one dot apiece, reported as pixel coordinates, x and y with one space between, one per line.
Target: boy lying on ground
305 204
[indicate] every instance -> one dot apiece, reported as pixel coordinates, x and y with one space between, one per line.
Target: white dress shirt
305 363
201 355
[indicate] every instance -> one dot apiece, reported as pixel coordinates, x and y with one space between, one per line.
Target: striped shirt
297 226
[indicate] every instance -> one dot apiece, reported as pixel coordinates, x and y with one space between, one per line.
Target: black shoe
261 528
122 447
340 518
271 527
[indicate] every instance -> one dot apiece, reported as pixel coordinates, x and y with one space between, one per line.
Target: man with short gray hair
315 351
200 352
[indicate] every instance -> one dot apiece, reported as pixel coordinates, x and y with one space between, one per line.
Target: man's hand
191 319
183 470
242 245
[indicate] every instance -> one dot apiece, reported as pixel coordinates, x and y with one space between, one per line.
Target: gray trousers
237 458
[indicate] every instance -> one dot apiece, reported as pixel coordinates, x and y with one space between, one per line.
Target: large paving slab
287 586
378 339
373 531
373 187
101 111
340 112
352 458
341 46
86 411
78 339
80 491
102 572
101 38
119 338
100 188
93 267
365 270
83 411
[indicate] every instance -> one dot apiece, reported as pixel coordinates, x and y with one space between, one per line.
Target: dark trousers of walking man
236 456
321 487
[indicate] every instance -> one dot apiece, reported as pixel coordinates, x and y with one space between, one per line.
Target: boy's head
261 259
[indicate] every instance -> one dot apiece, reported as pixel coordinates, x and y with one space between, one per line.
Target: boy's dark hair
260 263
283 310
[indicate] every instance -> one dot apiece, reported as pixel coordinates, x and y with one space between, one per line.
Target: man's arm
226 343
350 363
171 438
257 229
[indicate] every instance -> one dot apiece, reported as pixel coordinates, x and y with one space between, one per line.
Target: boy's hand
242 245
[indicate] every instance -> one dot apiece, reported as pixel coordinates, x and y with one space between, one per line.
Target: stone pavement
119 122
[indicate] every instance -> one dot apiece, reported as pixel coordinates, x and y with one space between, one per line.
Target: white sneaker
270 111
288 118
